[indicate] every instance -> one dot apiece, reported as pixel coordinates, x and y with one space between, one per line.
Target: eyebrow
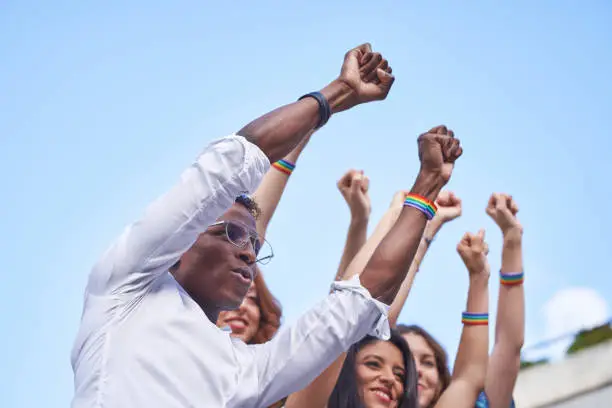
382 360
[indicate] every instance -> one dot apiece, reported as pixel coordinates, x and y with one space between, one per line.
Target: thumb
386 79
356 183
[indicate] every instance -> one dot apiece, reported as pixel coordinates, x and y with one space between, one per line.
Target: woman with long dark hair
375 374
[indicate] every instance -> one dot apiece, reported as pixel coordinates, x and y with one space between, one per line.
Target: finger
386 80
373 76
442 130
389 70
492 201
486 249
365 185
366 69
451 133
364 48
502 201
356 182
345 181
481 234
365 58
514 206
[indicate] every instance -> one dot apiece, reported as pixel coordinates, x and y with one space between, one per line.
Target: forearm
389 264
473 352
272 187
355 240
280 131
359 261
510 324
505 360
430 232
317 394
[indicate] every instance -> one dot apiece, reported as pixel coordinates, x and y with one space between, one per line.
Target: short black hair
249 203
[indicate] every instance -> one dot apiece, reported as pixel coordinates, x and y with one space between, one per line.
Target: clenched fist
354 187
438 151
367 74
503 209
473 250
449 207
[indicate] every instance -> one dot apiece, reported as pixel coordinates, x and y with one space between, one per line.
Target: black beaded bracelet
324 108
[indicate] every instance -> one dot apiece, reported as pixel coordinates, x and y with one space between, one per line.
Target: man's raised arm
387 268
228 167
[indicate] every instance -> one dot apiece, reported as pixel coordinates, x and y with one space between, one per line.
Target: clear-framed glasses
240 235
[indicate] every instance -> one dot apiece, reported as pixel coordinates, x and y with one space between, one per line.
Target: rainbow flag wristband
475 319
511 279
284 166
426 206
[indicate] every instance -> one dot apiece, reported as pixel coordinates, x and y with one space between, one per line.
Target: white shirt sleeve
171 224
297 355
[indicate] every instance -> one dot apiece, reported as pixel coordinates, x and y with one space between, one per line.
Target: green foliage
589 338
527 364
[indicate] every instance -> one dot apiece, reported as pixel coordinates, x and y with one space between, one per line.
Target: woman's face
429 385
380 375
243 321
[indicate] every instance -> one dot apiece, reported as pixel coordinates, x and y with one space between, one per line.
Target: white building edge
583 379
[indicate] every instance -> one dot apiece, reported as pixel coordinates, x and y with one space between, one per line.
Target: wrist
432 228
339 95
428 185
513 236
359 221
480 277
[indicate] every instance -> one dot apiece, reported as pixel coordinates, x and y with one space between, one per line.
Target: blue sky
103 103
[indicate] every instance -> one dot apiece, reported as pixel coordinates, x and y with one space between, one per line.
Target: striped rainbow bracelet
475 319
426 206
284 166
512 278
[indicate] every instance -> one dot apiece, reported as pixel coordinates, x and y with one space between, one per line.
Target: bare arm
505 359
272 187
472 356
354 186
449 208
277 133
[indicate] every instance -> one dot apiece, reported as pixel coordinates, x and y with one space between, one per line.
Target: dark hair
269 310
439 354
345 394
249 203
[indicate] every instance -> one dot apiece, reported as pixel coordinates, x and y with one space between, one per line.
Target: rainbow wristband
284 166
475 319
426 206
511 279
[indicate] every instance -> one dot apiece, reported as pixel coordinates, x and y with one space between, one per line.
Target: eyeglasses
240 235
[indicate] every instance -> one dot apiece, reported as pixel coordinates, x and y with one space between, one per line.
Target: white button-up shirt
143 342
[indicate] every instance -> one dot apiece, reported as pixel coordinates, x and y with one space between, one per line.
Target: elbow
474 376
510 345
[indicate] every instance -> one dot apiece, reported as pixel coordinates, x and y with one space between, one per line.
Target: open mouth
245 273
383 395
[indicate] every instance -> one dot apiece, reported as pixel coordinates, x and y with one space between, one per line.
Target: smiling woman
377 374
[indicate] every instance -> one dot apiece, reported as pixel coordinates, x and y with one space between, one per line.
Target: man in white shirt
148 336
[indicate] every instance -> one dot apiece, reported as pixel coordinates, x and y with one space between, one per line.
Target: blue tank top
483 401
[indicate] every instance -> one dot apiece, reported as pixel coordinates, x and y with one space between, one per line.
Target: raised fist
449 207
354 187
438 150
502 208
473 250
367 74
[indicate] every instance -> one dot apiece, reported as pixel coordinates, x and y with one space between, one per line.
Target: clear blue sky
103 103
